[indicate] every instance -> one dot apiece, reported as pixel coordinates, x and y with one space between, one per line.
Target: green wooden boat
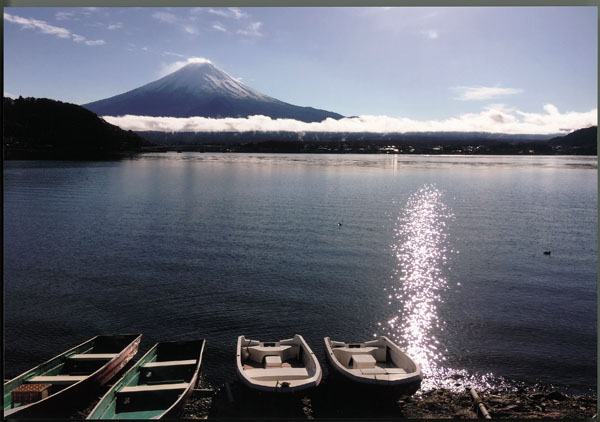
157 386
71 377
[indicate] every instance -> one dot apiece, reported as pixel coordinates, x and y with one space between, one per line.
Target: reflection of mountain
201 89
37 128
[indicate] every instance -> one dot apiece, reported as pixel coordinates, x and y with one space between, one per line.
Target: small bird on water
547 252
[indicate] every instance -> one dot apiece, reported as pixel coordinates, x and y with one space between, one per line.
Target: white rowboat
283 366
377 362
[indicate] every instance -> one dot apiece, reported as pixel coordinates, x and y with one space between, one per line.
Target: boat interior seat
155 387
372 371
362 361
93 356
170 363
344 354
396 371
273 362
272 374
258 353
381 371
56 379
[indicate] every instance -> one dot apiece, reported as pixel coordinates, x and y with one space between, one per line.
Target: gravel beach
329 401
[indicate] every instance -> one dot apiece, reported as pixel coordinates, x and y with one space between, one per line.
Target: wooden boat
377 363
283 366
69 377
157 386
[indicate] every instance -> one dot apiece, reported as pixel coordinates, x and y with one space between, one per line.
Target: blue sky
414 63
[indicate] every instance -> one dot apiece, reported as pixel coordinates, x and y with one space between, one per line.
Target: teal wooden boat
71 377
157 386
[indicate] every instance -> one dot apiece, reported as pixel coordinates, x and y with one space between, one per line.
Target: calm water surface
442 253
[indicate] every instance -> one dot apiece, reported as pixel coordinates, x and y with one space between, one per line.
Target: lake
444 254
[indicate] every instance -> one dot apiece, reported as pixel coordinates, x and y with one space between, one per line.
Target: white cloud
170 18
252 30
172 67
432 34
230 12
170 53
114 26
76 13
10 95
218 27
237 13
62 16
551 109
491 119
165 17
219 12
190 29
48 29
478 93
36 24
97 42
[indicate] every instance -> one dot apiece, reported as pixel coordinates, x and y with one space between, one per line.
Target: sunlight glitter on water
421 252
418 285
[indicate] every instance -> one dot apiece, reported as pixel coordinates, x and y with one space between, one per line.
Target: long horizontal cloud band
492 119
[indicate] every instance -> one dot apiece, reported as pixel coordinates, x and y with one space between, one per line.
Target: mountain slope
581 137
36 128
201 89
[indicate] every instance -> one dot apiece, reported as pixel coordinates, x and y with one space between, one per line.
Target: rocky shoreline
233 401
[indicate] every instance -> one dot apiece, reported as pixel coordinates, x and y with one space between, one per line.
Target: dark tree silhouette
40 128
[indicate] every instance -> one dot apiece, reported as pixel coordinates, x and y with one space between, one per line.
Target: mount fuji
202 89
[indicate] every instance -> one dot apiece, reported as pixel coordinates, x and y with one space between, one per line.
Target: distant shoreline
344 148
30 154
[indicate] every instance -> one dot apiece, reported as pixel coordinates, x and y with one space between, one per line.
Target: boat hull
57 405
339 374
176 409
148 400
358 389
288 391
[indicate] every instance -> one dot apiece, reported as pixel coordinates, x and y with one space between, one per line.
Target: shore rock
322 402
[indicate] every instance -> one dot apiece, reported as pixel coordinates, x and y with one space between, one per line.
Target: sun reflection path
418 283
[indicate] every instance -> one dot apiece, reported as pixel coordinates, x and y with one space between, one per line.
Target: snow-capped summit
205 78
202 89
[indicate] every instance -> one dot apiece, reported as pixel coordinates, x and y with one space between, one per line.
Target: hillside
40 128
581 137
